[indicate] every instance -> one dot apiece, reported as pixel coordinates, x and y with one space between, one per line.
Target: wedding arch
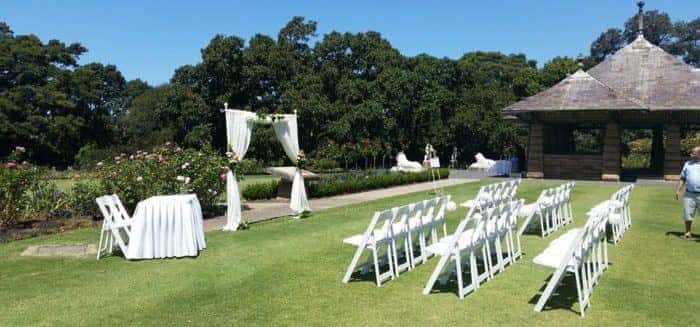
239 127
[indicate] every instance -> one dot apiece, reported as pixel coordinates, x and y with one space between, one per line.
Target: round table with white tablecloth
166 226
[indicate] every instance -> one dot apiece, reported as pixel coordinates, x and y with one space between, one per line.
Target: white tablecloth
500 168
166 226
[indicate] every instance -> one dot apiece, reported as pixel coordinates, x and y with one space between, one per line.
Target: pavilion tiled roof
638 76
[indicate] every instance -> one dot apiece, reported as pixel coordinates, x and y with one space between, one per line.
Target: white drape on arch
286 131
239 127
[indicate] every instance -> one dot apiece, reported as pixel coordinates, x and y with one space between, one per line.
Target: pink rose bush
168 169
23 190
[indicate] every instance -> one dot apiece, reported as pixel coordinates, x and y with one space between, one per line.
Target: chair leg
460 282
99 246
499 254
473 269
436 273
579 284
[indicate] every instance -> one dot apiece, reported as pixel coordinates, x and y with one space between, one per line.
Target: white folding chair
412 226
377 236
438 218
537 209
620 219
116 226
581 251
461 249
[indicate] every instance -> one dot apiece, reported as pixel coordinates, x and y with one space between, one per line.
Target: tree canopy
356 95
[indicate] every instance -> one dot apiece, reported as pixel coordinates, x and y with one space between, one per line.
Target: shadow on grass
564 296
694 237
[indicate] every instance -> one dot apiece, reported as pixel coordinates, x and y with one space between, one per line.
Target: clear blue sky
150 39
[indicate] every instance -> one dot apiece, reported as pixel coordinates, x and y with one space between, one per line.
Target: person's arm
679 189
681 182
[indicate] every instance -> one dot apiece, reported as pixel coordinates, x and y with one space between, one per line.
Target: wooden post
611 152
672 152
535 157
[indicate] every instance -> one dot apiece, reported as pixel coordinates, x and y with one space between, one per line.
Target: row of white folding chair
620 219
478 237
116 226
581 251
501 191
400 242
552 209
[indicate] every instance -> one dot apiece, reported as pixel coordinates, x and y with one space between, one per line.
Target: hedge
342 183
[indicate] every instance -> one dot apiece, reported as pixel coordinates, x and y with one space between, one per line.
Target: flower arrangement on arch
232 159
301 159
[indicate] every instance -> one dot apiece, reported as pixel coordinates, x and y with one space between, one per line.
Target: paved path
265 210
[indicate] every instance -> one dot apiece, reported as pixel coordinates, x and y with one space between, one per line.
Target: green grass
287 272
252 179
64 184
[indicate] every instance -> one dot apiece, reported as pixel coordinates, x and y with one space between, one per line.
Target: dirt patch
60 250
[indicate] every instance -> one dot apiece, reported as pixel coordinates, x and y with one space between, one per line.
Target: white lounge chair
116 226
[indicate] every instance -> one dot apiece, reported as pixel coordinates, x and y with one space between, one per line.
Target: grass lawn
287 272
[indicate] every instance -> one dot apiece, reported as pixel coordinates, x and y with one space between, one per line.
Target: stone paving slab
265 210
60 250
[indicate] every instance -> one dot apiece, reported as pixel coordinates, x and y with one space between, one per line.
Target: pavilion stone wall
535 152
612 158
673 160
573 166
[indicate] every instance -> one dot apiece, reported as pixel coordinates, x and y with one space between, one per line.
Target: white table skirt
167 226
500 168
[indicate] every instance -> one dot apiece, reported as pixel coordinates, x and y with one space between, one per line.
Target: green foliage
81 198
261 190
679 38
166 170
321 164
250 167
23 191
358 99
169 112
90 154
691 140
638 154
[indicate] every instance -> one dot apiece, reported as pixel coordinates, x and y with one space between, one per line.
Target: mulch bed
36 227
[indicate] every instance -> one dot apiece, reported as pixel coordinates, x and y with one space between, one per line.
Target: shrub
166 170
341 183
23 191
321 164
90 154
260 190
250 167
81 199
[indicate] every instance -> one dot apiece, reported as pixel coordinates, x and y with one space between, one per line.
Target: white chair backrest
430 208
441 207
417 210
400 220
379 225
116 219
